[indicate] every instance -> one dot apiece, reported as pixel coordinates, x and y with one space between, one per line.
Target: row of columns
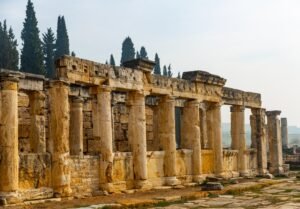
196 117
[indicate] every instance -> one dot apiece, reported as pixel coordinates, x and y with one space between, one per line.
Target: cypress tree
13 51
32 53
112 60
128 50
62 38
48 49
73 54
138 56
165 71
157 69
170 74
143 53
178 76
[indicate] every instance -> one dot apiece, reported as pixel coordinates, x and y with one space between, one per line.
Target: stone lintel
273 113
140 64
204 77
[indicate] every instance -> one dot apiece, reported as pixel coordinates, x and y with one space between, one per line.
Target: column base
244 173
109 187
10 198
198 179
276 171
171 181
142 184
262 172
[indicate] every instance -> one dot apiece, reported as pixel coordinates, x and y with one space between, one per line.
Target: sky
254 44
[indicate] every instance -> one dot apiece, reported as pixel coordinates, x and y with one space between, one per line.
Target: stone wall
84 175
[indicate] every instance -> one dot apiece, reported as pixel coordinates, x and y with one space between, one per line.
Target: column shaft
258 137
9 158
137 137
59 134
215 136
203 126
191 136
167 138
106 138
76 129
238 135
275 143
284 132
37 128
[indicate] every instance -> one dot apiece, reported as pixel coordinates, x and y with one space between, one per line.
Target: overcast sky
254 44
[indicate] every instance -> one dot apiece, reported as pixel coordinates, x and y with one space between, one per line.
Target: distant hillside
294 135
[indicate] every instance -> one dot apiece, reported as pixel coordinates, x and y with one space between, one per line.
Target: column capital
273 113
53 83
237 108
77 99
258 111
194 102
215 105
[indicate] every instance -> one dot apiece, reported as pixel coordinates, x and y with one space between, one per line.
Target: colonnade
201 123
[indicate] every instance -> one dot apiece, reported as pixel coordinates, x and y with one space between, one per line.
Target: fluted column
191 136
275 143
9 158
166 133
238 135
76 129
137 137
259 139
215 136
203 126
59 135
104 113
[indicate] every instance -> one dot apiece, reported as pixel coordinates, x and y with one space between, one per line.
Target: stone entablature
123 128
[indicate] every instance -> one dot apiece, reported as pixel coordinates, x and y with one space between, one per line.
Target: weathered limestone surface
284 132
76 126
275 143
203 126
259 138
167 137
37 132
9 158
59 135
191 136
137 137
238 135
104 122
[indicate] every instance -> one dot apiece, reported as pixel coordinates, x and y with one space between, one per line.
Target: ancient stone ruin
98 127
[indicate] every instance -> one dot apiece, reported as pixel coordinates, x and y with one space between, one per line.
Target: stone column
9 156
203 126
76 126
59 135
284 132
166 133
37 128
191 136
238 135
104 113
275 143
259 139
137 137
215 136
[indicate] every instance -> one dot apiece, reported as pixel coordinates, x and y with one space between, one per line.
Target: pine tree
157 69
137 55
32 53
165 71
143 53
128 50
170 74
179 76
62 38
112 60
48 49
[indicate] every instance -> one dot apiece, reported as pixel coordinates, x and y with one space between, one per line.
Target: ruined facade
99 127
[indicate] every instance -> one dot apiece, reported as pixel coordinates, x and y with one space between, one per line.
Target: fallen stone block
210 186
